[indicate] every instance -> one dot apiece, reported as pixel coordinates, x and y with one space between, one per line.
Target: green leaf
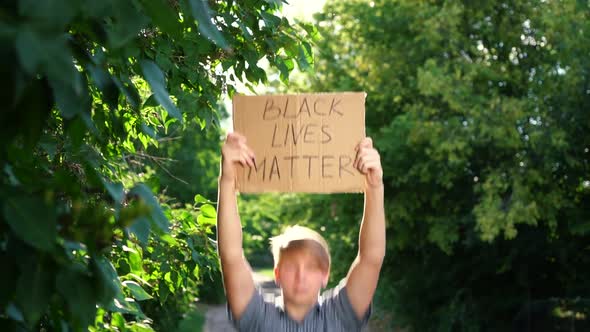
78 291
208 211
163 16
139 327
150 102
108 285
270 20
205 221
144 139
53 14
72 97
135 262
127 24
283 70
163 291
168 239
200 199
32 220
155 78
115 190
76 130
51 56
202 13
129 90
34 106
157 215
48 145
303 59
123 266
33 289
30 50
148 131
118 320
126 306
139 294
106 84
141 228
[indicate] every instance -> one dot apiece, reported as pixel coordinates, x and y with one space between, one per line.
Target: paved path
216 320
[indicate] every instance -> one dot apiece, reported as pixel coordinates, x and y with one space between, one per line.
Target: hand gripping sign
302 143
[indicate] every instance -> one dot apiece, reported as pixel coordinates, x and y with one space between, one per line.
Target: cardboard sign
302 143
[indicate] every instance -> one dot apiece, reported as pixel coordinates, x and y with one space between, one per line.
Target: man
301 258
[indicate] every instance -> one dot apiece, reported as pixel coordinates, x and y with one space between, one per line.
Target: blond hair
299 237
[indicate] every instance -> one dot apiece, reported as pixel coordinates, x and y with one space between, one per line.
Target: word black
319 107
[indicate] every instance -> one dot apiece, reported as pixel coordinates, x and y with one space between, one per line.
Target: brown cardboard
302 143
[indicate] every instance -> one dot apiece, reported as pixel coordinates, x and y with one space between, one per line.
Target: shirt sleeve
341 308
256 316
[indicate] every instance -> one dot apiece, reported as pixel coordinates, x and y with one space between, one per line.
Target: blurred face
300 276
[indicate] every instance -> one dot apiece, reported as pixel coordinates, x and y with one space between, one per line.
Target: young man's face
300 276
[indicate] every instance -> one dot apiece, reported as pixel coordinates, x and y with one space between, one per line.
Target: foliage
188 161
90 91
479 111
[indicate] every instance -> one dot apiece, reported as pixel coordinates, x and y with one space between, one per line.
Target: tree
479 112
90 90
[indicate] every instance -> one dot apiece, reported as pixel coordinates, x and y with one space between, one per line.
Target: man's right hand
234 152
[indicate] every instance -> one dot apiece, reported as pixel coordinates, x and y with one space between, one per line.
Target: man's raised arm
237 275
364 273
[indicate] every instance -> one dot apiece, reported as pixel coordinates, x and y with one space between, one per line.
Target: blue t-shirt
332 313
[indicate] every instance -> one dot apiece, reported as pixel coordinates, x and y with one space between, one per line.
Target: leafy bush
91 89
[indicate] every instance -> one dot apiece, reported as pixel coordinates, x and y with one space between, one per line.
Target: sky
303 9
